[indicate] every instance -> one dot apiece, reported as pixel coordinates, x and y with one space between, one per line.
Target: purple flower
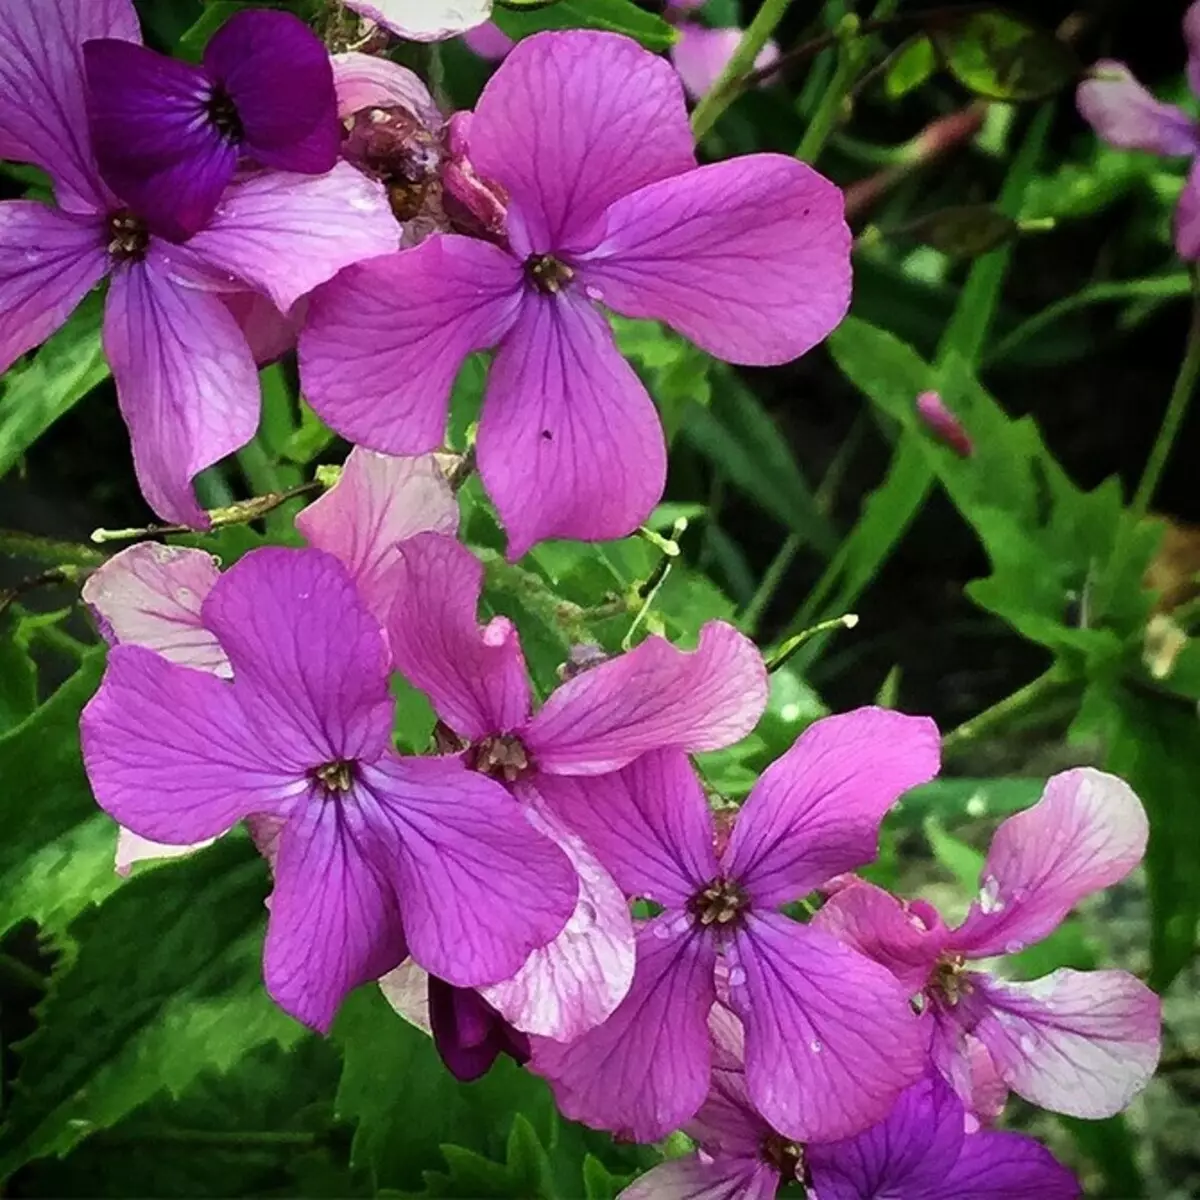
378 856
168 135
587 135
488 41
1127 116
943 424
424 20
702 53
830 1037
1076 1042
598 722
185 373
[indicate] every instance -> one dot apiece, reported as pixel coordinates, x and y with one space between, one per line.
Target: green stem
769 584
1032 696
722 93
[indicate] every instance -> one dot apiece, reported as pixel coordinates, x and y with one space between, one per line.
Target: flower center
335 777
222 114
128 237
502 757
720 903
785 1156
949 981
545 273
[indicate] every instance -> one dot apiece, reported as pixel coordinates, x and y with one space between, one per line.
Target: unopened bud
943 424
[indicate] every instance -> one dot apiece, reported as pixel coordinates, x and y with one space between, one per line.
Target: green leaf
962 861
615 16
963 230
18 677
957 798
910 66
1111 1149
525 1174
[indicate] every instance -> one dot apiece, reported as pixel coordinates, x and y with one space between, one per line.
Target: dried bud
395 147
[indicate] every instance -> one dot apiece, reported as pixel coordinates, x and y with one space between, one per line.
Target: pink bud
943 424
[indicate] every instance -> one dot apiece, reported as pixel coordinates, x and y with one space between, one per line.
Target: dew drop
737 977
593 293
815 1046
989 896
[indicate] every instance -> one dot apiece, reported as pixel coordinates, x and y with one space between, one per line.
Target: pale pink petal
1082 1043
406 989
816 811
365 81
701 54
378 502
269 333
571 122
653 696
648 824
49 260
424 20
830 1038
967 1065
474 674
1126 115
694 1178
1087 832
646 1069
285 234
749 258
575 982
186 383
384 341
150 595
570 443
132 849
1187 217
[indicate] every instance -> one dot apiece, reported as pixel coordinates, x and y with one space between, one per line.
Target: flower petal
1086 832
468 1033
186 383
44 117
474 674
480 889
1082 1043
646 1069
384 341
750 258
488 41
309 661
693 1178
995 1165
155 144
966 1064
830 1038
1187 217
406 989
572 121
378 502
652 697
170 754
648 824
150 595
269 333
701 54
570 444
132 849
285 234
278 74
575 982
334 923
1127 116
364 81
49 260
424 20
815 812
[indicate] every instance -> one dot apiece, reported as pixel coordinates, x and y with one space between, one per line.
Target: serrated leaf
615 16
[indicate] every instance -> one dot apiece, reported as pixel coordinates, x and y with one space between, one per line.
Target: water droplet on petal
989 896
593 293
815 1046
737 977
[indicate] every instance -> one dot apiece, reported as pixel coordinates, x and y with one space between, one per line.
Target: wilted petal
469 1033
378 502
150 595
406 989
652 697
1187 218
646 1069
49 260
749 258
1126 115
816 811
1086 832
480 888
694 1178
384 341
1003 1166
830 1038
424 20
364 81
1082 1043
571 122
132 849
474 674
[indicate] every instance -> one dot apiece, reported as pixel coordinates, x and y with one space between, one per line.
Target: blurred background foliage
1032 597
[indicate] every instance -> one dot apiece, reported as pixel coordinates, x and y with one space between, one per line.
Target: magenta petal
727 1125
479 887
169 752
469 1034
1126 115
570 444
150 595
1082 1043
384 341
648 824
473 674
1187 217
571 122
364 81
816 811
49 261
696 1178
334 923
830 1038
377 503
269 333
749 258
653 696
285 234
1086 832
1003 1166
488 41
44 119
186 383
646 1069
277 73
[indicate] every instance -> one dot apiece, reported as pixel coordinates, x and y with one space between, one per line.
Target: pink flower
943 424
1077 1042
830 1038
587 134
